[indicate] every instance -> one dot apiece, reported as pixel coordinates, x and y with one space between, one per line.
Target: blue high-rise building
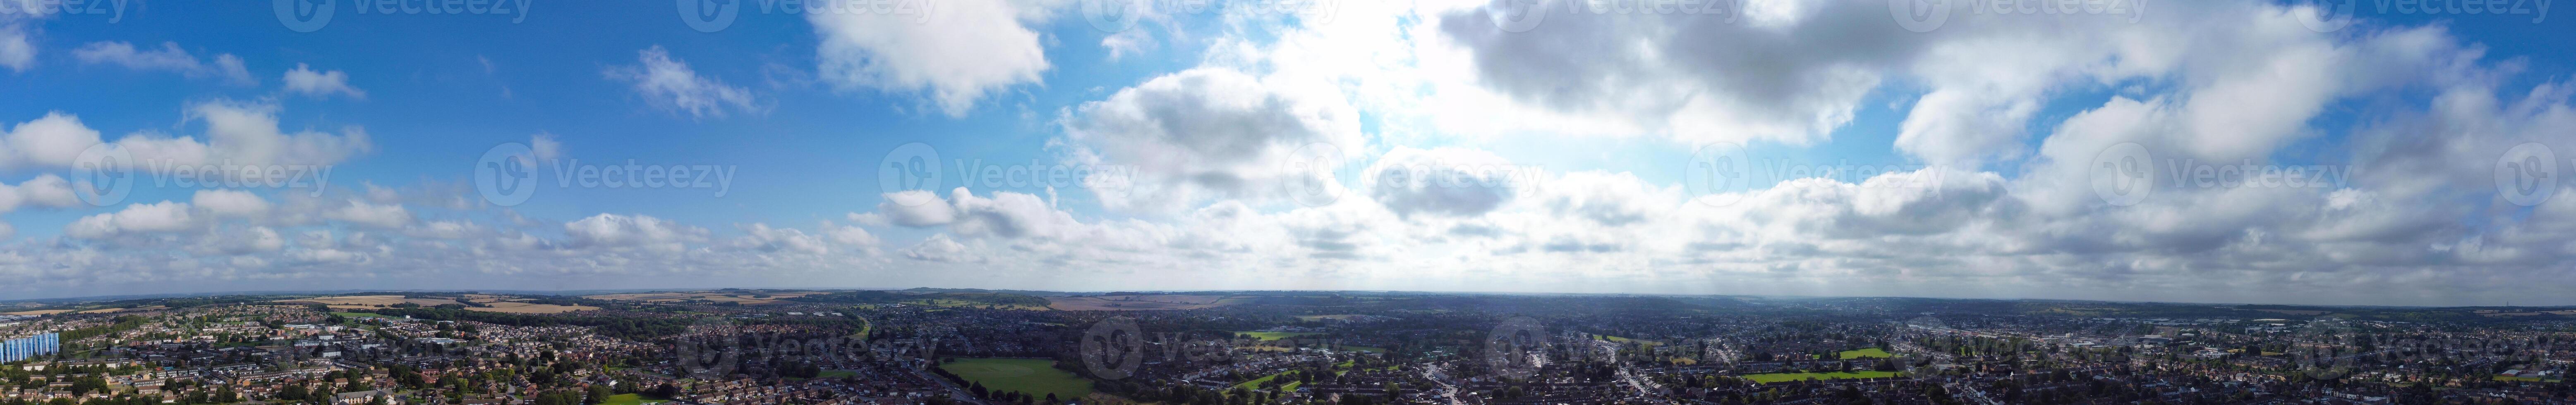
28 347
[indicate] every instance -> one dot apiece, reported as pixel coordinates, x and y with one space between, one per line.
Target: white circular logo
2325 15
1517 348
709 15
507 174
2527 175
1919 15
1719 174
913 166
2124 174
710 348
1316 170
304 15
1113 348
1114 15
1517 15
106 174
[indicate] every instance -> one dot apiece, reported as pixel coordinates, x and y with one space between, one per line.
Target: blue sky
1573 134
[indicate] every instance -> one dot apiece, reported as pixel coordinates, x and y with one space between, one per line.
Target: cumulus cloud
231 203
53 140
166 58
320 84
668 84
613 230
955 56
1445 181
383 216
17 51
163 216
1208 134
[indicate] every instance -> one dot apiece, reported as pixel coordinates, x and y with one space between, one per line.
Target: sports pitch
1035 377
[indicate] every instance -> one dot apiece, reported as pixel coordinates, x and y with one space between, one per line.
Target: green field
1869 353
1034 377
838 374
1256 383
359 315
1270 336
1778 377
631 399
2523 379
1378 350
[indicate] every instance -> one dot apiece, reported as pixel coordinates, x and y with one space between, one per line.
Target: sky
2329 152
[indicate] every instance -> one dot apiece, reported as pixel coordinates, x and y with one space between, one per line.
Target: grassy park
1869 353
1779 377
631 399
1270 336
1034 377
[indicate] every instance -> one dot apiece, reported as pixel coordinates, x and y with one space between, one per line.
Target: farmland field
369 301
1142 302
1034 377
1270 336
527 308
1778 377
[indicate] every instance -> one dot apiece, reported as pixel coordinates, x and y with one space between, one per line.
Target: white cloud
17 51
939 248
167 58
320 84
54 140
382 216
545 146
1208 134
668 84
163 216
231 203
962 52
612 230
1445 181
